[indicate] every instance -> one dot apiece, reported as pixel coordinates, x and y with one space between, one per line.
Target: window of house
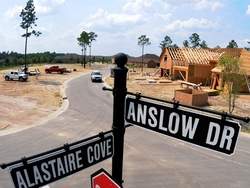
165 59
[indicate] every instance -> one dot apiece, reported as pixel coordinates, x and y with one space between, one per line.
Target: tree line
194 41
16 59
9 59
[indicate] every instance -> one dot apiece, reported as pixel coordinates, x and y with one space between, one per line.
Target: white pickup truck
15 75
96 76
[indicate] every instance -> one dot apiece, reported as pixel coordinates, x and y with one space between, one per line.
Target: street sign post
36 172
118 126
102 179
206 130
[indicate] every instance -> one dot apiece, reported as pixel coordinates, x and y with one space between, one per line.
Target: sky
119 23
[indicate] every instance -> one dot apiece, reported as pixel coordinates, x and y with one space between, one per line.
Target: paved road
150 160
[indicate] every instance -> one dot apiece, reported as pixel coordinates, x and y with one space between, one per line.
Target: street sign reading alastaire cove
183 123
43 170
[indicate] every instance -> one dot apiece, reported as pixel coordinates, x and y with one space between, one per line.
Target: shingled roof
184 56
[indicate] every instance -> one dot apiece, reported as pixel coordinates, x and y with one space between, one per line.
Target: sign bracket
24 161
138 96
101 135
66 147
176 105
224 116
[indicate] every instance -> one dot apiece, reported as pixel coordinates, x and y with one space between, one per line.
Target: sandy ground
25 103
138 83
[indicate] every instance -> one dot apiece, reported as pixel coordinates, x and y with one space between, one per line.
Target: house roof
183 56
242 54
233 52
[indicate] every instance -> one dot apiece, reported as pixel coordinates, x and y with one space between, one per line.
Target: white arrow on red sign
102 179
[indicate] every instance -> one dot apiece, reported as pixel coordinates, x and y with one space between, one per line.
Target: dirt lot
25 103
165 91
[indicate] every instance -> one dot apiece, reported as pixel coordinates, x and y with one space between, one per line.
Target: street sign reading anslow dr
102 179
193 126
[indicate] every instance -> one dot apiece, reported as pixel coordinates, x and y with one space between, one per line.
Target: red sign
102 179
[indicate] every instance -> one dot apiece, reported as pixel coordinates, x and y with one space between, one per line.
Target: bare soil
25 103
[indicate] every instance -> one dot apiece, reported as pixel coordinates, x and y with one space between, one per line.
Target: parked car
35 72
55 69
16 75
96 76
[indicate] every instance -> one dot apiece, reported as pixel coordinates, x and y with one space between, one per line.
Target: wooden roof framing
186 56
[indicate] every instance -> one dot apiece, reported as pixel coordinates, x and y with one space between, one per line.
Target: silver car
96 76
16 75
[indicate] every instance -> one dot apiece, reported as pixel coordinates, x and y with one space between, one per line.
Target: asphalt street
150 159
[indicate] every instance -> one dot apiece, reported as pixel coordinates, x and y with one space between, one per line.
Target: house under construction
189 64
244 57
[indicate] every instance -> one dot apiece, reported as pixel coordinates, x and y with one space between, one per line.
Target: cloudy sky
119 23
